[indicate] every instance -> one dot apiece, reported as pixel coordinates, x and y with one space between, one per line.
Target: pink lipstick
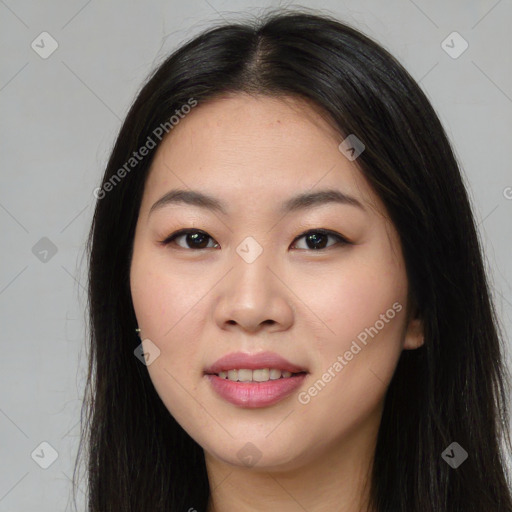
254 380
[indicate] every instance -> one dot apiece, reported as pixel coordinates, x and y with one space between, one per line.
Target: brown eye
192 238
317 239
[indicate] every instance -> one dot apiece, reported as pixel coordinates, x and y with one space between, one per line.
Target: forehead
241 147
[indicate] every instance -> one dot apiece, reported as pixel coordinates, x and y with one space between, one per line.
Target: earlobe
414 336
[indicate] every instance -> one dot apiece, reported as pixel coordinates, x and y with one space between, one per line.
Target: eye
196 239
316 239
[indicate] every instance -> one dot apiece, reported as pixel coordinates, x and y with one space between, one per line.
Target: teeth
260 375
275 374
244 375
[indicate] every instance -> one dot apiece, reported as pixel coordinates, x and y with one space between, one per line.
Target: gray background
60 116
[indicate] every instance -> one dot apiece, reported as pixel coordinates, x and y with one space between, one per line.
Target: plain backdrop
60 115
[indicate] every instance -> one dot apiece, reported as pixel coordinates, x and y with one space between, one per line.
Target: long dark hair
453 389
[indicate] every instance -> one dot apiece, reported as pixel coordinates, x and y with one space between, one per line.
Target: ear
414 334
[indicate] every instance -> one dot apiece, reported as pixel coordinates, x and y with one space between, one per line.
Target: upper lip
243 360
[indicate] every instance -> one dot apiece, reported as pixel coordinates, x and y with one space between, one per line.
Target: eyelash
167 241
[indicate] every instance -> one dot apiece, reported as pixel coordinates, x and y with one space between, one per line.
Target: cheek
169 312
166 299
354 296
172 315
362 307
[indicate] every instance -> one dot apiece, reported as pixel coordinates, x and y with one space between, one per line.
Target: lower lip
255 394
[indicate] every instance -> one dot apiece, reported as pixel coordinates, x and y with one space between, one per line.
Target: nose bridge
251 295
252 276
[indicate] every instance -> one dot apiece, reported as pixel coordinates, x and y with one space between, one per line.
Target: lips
242 360
253 395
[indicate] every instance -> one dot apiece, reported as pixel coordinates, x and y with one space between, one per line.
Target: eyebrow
302 201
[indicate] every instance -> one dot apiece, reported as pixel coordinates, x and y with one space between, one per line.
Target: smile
252 394
259 375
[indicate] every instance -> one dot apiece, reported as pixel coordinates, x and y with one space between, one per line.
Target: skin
306 304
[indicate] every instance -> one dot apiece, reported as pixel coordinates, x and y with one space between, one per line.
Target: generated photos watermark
304 397
139 155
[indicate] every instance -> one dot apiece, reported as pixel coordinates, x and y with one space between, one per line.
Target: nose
254 296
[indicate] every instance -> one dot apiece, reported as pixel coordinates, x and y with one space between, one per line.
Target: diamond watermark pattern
44 455
44 45
249 454
249 249
44 250
454 455
454 45
147 352
351 147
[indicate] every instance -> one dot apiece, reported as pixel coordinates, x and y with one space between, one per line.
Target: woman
288 304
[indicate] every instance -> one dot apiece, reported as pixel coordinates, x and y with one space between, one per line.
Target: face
317 287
